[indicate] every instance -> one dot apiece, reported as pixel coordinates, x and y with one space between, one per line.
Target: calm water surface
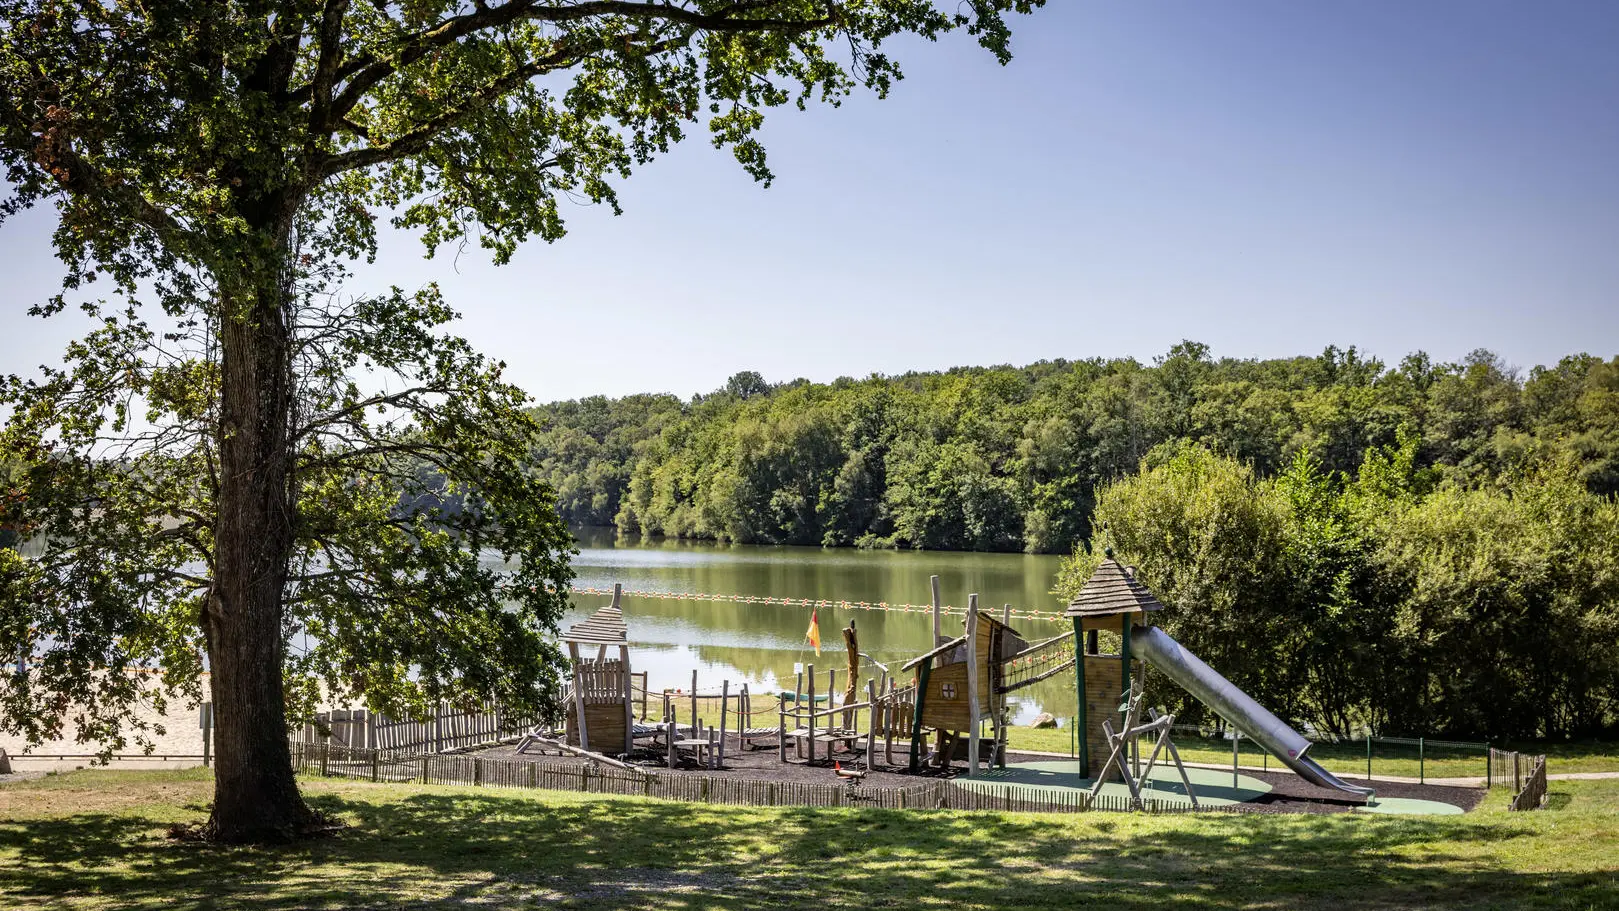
761 643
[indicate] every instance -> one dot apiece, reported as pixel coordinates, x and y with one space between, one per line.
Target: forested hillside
1009 458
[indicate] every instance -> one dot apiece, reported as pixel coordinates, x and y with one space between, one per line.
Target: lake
761 643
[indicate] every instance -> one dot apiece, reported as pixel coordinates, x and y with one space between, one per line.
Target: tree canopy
240 450
1008 458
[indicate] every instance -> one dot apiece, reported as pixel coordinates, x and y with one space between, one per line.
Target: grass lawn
94 840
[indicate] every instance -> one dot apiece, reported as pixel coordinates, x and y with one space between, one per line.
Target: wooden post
972 686
851 644
1006 615
671 733
579 695
890 709
629 698
1080 723
933 582
725 700
781 730
694 702
810 736
798 709
871 725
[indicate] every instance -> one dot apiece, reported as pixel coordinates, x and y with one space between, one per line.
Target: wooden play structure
959 687
1110 601
1124 755
599 704
815 725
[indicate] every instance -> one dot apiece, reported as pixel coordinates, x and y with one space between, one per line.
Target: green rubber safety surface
1410 806
1214 788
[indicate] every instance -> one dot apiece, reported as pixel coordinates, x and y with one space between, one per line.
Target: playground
943 715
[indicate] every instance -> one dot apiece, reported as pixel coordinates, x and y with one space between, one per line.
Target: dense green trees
1425 548
1394 599
1007 458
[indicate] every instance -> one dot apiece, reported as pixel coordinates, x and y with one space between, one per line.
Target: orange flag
813 634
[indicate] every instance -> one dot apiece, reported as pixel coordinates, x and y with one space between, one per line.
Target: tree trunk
255 794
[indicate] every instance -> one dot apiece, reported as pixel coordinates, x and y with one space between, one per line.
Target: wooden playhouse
960 684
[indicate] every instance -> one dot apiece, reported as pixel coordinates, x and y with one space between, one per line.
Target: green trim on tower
1079 691
1124 650
916 722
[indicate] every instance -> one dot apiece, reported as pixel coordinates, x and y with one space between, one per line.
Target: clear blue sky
1268 177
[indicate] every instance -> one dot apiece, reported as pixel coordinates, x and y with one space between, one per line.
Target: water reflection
760 643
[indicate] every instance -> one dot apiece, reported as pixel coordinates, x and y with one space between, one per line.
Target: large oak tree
264 455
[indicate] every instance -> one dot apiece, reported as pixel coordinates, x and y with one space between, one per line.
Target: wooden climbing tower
1110 601
600 706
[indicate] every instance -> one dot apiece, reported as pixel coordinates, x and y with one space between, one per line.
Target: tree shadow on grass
431 850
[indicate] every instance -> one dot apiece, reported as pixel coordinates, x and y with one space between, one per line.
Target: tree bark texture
255 794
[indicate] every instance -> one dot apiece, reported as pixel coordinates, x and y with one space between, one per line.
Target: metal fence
589 778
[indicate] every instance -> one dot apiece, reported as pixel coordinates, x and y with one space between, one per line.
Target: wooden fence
451 728
379 765
1524 773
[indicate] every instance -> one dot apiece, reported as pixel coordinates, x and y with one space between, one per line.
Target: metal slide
1208 687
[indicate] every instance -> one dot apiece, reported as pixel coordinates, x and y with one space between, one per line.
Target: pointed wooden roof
1112 589
604 627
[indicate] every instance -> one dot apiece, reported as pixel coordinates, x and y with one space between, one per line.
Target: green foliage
253 456
1385 601
1012 458
407 489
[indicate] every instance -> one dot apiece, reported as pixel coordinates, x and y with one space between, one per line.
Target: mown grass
94 840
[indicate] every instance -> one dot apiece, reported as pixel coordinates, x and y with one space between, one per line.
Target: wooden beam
577 751
933 583
579 694
1080 721
973 718
629 700
851 644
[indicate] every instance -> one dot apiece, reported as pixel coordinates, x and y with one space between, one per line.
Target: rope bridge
1037 662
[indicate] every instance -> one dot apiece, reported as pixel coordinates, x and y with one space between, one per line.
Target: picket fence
1524 773
451 728
335 760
